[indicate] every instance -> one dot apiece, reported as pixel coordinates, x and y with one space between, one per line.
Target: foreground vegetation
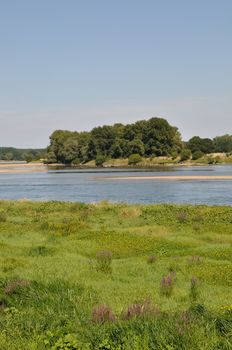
107 276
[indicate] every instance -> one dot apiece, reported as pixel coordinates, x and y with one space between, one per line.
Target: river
96 185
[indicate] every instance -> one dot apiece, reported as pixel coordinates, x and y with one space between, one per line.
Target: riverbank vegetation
115 276
16 154
141 142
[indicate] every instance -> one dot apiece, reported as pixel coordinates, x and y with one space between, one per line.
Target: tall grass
115 276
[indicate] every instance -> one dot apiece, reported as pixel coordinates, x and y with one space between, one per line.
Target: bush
185 154
76 161
100 160
197 155
174 155
210 160
134 159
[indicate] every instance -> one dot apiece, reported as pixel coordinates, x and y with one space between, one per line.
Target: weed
194 288
152 259
194 260
182 217
104 261
142 309
167 285
102 314
13 286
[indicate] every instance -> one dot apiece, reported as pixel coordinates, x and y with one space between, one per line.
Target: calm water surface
92 186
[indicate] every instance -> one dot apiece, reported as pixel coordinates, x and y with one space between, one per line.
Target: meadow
115 276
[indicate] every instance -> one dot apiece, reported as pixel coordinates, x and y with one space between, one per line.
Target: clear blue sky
70 64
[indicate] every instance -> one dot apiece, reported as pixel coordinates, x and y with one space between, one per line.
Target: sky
76 64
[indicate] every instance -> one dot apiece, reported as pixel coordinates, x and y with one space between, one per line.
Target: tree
197 155
223 143
69 151
136 147
185 154
153 137
196 143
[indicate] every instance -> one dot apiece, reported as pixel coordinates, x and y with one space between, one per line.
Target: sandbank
172 177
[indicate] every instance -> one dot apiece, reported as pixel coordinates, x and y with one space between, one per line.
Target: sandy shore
175 178
22 168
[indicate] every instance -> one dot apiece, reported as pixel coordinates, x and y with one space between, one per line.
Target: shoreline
172 177
22 167
14 167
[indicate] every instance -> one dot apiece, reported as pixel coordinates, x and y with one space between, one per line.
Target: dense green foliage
223 143
118 277
134 159
10 153
147 138
154 137
206 145
196 143
185 154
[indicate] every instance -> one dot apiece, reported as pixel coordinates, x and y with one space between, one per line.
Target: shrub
100 160
134 159
102 314
104 261
76 161
185 154
197 155
210 160
174 155
167 285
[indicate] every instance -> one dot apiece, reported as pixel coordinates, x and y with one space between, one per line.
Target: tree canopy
11 154
153 137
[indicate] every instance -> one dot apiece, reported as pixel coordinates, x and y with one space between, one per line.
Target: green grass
50 280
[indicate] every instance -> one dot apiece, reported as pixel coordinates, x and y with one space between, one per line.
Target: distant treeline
11 154
148 138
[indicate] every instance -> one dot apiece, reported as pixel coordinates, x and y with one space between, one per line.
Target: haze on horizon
75 65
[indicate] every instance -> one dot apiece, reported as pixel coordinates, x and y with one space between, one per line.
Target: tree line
146 138
16 154
153 137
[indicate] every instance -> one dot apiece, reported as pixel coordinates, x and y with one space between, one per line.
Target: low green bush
134 159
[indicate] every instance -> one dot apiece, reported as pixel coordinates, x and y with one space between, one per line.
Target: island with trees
143 143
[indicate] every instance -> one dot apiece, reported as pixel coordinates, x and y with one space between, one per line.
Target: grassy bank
104 276
207 159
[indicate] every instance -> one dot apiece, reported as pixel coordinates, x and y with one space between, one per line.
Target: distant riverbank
119 163
22 167
152 162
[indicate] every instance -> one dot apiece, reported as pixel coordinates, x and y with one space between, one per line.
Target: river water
95 185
